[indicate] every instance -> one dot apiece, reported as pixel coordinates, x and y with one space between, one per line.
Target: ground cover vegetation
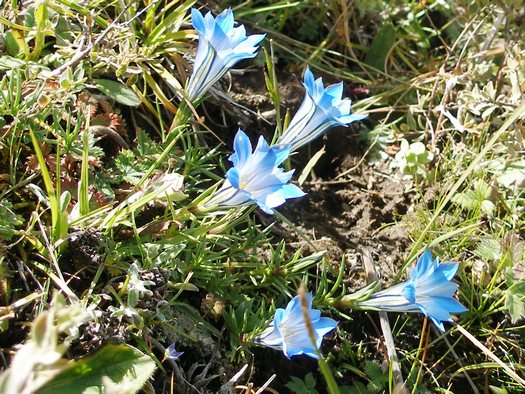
253 196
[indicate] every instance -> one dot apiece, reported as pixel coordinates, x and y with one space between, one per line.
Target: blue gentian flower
289 333
321 109
256 177
171 353
429 290
220 47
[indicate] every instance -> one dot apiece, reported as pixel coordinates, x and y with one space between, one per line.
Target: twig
500 20
426 338
265 385
227 387
89 47
103 131
385 326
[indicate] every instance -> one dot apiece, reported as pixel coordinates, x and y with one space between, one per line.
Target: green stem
53 201
83 197
280 216
331 384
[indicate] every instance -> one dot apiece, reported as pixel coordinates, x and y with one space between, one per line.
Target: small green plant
39 364
9 221
412 158
300 386
377 381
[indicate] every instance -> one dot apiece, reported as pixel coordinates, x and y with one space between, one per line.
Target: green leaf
498 390
297 385
374 372
310 165
378 378
15 43
513 174
488 249
117 91
113 369
129 167
515 302
7 62
381 45
9 220
356 388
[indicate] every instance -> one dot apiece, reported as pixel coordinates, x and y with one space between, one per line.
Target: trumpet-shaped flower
289 333
321 109
172 353
256 177
429 290
220 47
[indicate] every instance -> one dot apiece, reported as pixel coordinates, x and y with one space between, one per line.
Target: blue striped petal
221 46
289 333
256 176
322 108
242 149
429 290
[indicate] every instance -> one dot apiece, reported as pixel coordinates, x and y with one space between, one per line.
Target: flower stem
331 384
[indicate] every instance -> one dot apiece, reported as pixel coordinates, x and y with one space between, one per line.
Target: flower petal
221 46
242 148
321 109
233 177
292 334
271 337
297 342
429 290
449 269
322 327
257 176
